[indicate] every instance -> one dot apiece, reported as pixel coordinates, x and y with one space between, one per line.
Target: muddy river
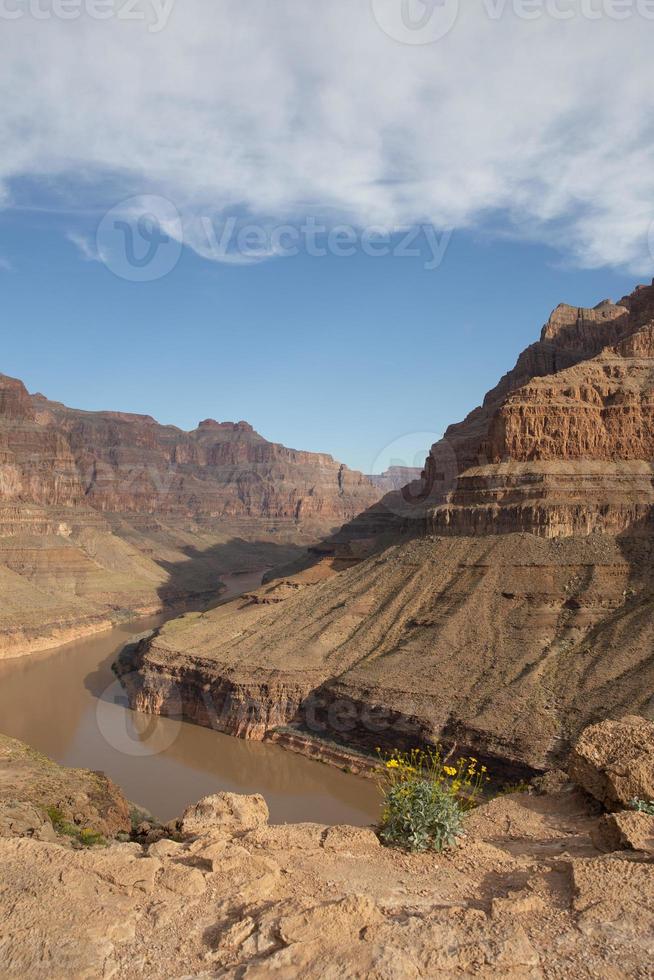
68 704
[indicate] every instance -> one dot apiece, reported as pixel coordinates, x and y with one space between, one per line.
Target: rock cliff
106 514
507 601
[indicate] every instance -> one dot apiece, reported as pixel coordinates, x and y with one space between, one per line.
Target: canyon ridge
502 602
105 515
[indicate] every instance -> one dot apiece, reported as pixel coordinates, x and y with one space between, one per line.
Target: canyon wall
506 600
104 515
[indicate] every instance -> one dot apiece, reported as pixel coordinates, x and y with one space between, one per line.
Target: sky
340 221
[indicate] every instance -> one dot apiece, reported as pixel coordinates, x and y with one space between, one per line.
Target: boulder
552 781
20 819
625 831
614 761
227 812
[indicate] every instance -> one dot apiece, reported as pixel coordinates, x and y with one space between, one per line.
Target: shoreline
318 749
61 635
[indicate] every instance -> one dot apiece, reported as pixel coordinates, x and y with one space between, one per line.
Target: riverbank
22 641
322 750
67 704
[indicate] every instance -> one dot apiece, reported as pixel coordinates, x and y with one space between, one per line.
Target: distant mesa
154 515
230 426
396 477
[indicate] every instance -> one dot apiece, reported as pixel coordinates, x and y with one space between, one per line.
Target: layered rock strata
519 610
104 515
562 445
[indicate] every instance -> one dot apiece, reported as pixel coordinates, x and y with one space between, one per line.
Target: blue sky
514 129
344 355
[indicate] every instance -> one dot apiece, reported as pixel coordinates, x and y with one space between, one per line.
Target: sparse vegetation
85 836
519 787
425 798
642 806
138 816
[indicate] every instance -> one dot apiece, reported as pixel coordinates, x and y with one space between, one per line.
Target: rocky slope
35 793
515 604
535 889
103 514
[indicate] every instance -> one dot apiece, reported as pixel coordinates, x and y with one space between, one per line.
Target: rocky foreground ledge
544 884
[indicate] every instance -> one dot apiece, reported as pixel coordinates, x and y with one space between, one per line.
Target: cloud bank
540 128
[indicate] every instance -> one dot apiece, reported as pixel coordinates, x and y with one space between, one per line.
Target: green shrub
421 816
425 798
87 837
138 816
642 806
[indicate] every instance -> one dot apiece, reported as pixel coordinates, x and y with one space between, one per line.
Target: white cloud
84 245
280 108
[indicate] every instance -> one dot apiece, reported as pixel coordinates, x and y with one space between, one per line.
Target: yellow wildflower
484 769
449 770
392 764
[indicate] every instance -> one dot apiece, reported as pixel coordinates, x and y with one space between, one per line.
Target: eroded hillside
516 604
105 515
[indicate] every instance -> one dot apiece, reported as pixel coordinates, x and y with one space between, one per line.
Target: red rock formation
562 445
131 464
471 631
109 512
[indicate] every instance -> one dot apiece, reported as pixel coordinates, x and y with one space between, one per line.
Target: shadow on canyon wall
198 576
606 670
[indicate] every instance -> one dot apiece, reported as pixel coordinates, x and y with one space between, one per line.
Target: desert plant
138 816
642 806
420 816
86 836
425 798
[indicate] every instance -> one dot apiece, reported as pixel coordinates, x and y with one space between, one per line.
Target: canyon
501 602
106 515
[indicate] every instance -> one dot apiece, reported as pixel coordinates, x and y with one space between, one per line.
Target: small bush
57 818
643 806
138 816
425 798
421 816
86 837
